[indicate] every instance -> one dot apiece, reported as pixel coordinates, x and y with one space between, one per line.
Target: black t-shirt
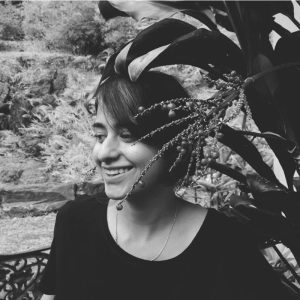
221 263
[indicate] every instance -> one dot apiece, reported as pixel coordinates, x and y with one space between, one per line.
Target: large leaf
201 48
287 50
223 19
108 70
268 225
158 10
154 37
243 147
271 197
224 169
159 34
108 11
136 9
266 112
253 22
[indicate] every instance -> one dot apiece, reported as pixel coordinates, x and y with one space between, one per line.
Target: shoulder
211 219
82 208
217 229
227 229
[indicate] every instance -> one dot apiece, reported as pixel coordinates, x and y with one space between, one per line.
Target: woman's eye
127 135
99 137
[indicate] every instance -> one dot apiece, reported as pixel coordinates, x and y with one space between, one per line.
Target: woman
155 246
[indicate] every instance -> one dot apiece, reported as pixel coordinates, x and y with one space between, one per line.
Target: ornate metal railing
20 274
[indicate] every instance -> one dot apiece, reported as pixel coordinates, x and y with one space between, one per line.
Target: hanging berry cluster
202 119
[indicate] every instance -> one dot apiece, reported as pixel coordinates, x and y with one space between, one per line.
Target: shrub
10 22
118 31
69 26
68 144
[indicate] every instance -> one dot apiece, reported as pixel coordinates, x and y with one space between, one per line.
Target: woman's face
121 161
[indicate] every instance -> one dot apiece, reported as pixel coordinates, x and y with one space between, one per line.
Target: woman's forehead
104 119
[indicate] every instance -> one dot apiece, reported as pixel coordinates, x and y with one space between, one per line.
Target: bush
118 31
69 26
81 37
10 22
66 141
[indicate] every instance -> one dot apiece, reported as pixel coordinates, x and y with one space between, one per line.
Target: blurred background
51 57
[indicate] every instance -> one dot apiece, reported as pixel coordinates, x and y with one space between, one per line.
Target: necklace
167 239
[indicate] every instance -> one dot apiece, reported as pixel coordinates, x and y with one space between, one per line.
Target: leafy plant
70 26
10 21
268 82
68 141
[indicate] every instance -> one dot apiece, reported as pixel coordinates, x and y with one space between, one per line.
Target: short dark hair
121 98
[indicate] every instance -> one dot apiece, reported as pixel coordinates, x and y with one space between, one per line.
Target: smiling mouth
116 172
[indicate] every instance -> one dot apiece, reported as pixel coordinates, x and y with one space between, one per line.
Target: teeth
115 172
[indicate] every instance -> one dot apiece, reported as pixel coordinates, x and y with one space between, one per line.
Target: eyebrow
98 125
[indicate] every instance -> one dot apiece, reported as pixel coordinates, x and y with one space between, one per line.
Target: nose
107 151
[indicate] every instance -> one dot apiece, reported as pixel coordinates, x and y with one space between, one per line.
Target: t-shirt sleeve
48 281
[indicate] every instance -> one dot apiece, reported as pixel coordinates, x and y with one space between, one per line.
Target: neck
149 210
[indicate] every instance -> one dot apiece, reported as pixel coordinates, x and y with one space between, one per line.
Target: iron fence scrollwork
20 274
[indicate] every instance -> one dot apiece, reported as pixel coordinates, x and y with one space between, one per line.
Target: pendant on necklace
119 206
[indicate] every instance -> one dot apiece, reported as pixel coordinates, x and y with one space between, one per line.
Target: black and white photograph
149 150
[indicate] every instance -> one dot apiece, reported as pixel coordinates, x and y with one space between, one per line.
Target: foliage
75 27
68 145
267 76
10 22
118 31
70 26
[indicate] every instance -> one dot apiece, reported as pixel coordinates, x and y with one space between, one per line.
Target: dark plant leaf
269 225
204 47
236 175
252 25
280 201
271 197
108 11
201 48
138 9
108 70
252 22
242 146
283 7
223 20
161 33
204 16
280 29
287 50
260 185
236 18
201 11
260 96
236 200
271 136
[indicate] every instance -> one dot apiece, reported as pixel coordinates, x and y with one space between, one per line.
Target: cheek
141 154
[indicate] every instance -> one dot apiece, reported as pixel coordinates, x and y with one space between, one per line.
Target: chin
114 194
